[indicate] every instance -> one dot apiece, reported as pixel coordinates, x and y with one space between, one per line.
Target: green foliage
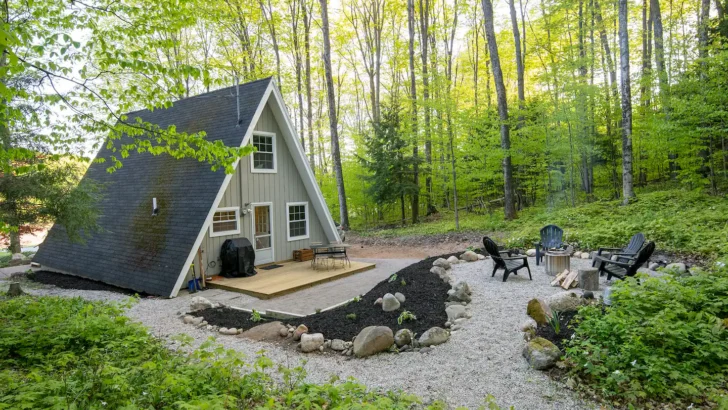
403 282
70 353
555 321
351 316
677 220
662 340
406 315
255 316
393 278
357 299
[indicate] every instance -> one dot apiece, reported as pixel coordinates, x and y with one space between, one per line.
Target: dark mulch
75 282
227 317
562 338
425 295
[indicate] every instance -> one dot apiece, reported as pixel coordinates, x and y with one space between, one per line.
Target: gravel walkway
482 358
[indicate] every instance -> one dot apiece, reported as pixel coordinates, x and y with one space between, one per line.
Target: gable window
264 159
225 221
297 217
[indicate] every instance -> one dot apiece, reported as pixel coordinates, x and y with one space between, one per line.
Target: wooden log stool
589 279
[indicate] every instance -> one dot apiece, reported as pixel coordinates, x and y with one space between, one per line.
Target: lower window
225 221
297 217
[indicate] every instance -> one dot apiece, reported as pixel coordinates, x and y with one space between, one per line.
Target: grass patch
5 257
678 221
71 353
663 340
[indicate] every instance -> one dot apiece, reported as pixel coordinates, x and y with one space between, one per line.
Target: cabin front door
263 233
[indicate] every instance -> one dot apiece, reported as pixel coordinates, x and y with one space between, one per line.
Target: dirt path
416 247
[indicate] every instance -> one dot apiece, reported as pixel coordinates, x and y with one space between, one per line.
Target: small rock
196 321
541 354
390 303
564 302
448 324
348 345
455 328
404 348
425 350
400 297
403 337
539 310
379 301
300 330
677 267
439 271
459 293
321 348
327 344
531 252
469 256
529 334
585 255
283 332
199 303
460 321
188 319
372 340
481 257
571 383
434 336
338 345
311 342
230 332
443 263
455 312
453 260
528 324
653 266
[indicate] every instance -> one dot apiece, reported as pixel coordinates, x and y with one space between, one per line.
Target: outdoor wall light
155 209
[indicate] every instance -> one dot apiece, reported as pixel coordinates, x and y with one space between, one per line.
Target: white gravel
482 358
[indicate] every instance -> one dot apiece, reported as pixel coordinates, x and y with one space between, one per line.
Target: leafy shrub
70 353
405 316
663 339
555 321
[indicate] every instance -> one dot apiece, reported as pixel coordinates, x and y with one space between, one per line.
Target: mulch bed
562 338
228 317
75 282
425 295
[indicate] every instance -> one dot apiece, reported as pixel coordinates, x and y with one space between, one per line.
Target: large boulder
455 312
443 263
539 310
677 267
199 303
390 303
268 332
311 342
541 354
564 302
469 256
372 340
531 252
459 293
434 336
403 337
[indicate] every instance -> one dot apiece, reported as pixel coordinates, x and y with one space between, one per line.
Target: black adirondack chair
634 246
509 264
552 237
621 269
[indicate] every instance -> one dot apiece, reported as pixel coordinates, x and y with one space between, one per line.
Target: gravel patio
484 357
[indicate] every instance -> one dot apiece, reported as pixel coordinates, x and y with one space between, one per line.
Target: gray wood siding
279 188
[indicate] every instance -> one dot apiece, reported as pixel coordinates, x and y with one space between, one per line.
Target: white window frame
224 233
288 221
275 155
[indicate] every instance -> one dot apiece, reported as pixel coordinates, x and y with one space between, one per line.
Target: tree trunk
627 190
660 54
333 125
309 112
519 62
268 16
424 38
413 98
509 208
703 25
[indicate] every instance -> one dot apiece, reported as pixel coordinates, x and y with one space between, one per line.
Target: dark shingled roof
139 251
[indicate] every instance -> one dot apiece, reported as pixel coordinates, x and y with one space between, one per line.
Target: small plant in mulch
255 316
351 316
393 278
558 330
403 282
406 316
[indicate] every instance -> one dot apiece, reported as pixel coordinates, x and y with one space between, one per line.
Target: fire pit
557 262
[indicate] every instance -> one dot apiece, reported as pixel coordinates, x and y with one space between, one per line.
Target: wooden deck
290 277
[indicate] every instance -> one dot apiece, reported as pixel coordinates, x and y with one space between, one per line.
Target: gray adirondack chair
620 269
552 237
632 248
509 264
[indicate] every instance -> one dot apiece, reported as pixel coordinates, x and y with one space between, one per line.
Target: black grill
238 258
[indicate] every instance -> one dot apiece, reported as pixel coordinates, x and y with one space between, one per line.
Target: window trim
288 221
214 234
275 155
